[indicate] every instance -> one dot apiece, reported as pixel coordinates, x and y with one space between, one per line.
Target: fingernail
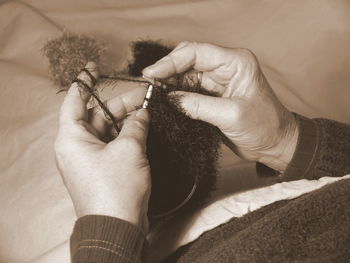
148 72
141 113
91 65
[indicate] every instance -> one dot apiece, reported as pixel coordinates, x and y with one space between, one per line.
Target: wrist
281 155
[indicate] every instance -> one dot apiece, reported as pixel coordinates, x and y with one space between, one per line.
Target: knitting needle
148 96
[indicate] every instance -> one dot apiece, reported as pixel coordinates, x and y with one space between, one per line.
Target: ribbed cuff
305 152
98 238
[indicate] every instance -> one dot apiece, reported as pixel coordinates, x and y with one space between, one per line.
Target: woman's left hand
111 178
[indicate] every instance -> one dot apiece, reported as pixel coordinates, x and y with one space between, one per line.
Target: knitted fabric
323 149
334 137
311 228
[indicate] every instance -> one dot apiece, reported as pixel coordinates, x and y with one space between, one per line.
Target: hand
257 125
104 178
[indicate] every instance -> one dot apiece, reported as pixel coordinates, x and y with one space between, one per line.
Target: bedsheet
303 48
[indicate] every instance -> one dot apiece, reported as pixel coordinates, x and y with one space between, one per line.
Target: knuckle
248 55
182 44
193 44
139 125
246 51
195 108
240 111
187 44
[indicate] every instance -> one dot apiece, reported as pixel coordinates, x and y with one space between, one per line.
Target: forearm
105 239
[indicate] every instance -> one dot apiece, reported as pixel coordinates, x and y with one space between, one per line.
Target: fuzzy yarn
69 53
146 53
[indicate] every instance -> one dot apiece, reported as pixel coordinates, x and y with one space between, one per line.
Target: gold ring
199 77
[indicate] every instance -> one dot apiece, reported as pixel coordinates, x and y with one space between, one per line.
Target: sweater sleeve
105 239
323 149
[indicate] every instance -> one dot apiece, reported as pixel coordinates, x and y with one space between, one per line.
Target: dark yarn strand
124 79
92 78
104 108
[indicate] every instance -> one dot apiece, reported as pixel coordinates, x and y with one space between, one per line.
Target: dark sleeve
323 149
105 239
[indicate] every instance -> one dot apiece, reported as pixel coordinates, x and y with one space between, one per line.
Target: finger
200 56
119 106
217 111
210 85
136 126
74 108
126 117
181 45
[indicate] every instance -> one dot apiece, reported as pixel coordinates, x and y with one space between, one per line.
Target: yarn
69 53
145 53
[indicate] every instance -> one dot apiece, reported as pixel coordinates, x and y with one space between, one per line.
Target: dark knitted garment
181 151
312 228
334 138
324 150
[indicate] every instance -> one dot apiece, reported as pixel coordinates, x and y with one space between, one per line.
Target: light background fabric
303 47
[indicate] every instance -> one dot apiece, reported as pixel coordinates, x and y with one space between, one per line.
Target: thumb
214 110
136 126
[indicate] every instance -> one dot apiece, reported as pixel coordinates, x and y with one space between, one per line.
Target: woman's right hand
247 111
